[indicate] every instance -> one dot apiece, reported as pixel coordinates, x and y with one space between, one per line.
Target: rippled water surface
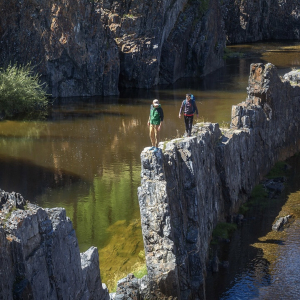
86 157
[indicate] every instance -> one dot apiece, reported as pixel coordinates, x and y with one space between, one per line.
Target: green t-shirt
155 117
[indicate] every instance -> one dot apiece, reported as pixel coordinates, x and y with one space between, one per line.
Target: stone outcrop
40 257
163 40
85 48
193 183
278 225
293 76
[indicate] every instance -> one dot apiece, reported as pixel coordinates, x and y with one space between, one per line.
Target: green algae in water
123 254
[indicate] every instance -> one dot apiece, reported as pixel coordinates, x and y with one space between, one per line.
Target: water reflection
86 155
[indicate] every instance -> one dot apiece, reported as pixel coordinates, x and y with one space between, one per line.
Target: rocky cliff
193 183
186 188
65 40
250 21
84 47
40 257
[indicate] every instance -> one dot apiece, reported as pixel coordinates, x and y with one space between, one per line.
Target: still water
264 264
85 156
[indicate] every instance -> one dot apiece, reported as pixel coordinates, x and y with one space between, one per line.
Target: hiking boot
151 148
155 150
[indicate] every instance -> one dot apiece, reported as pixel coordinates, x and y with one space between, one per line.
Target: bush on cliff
21 91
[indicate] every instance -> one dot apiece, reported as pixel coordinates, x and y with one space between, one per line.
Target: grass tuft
21 91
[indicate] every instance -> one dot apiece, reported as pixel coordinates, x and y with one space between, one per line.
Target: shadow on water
41 179
81 107
250 252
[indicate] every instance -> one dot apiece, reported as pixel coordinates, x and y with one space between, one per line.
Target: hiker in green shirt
155 120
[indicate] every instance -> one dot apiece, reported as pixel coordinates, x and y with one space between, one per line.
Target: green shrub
21 91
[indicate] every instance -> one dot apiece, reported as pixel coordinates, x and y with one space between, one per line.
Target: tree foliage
21 91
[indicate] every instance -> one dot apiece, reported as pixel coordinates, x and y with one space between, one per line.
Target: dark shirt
188 108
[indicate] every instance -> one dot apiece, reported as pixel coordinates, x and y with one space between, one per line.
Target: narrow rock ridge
40 257
193 183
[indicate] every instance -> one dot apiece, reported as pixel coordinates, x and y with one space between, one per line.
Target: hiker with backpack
155 120
188 107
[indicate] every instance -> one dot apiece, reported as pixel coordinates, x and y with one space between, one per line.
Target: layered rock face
163 40
195 182
65 40
40 257
250 21
85 48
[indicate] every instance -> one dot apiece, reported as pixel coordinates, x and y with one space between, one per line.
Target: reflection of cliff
110 198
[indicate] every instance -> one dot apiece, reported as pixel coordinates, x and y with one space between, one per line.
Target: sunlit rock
40 257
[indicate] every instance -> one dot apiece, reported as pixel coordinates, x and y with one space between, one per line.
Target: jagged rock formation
161 41
186 188
40 257
84 47
195 182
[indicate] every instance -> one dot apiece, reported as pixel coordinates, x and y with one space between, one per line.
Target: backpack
192 101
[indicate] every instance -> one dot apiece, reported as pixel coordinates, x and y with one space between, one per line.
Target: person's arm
159 127
161 114
180 110
196 109
148 123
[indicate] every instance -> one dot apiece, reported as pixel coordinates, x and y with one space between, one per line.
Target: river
85 156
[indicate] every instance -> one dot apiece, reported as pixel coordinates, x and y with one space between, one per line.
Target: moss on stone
222 231
278 170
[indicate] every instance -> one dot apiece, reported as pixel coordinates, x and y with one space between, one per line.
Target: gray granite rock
40 257
197 181
278 225
293 76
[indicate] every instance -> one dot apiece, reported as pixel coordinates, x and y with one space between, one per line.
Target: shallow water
264 264
86 156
